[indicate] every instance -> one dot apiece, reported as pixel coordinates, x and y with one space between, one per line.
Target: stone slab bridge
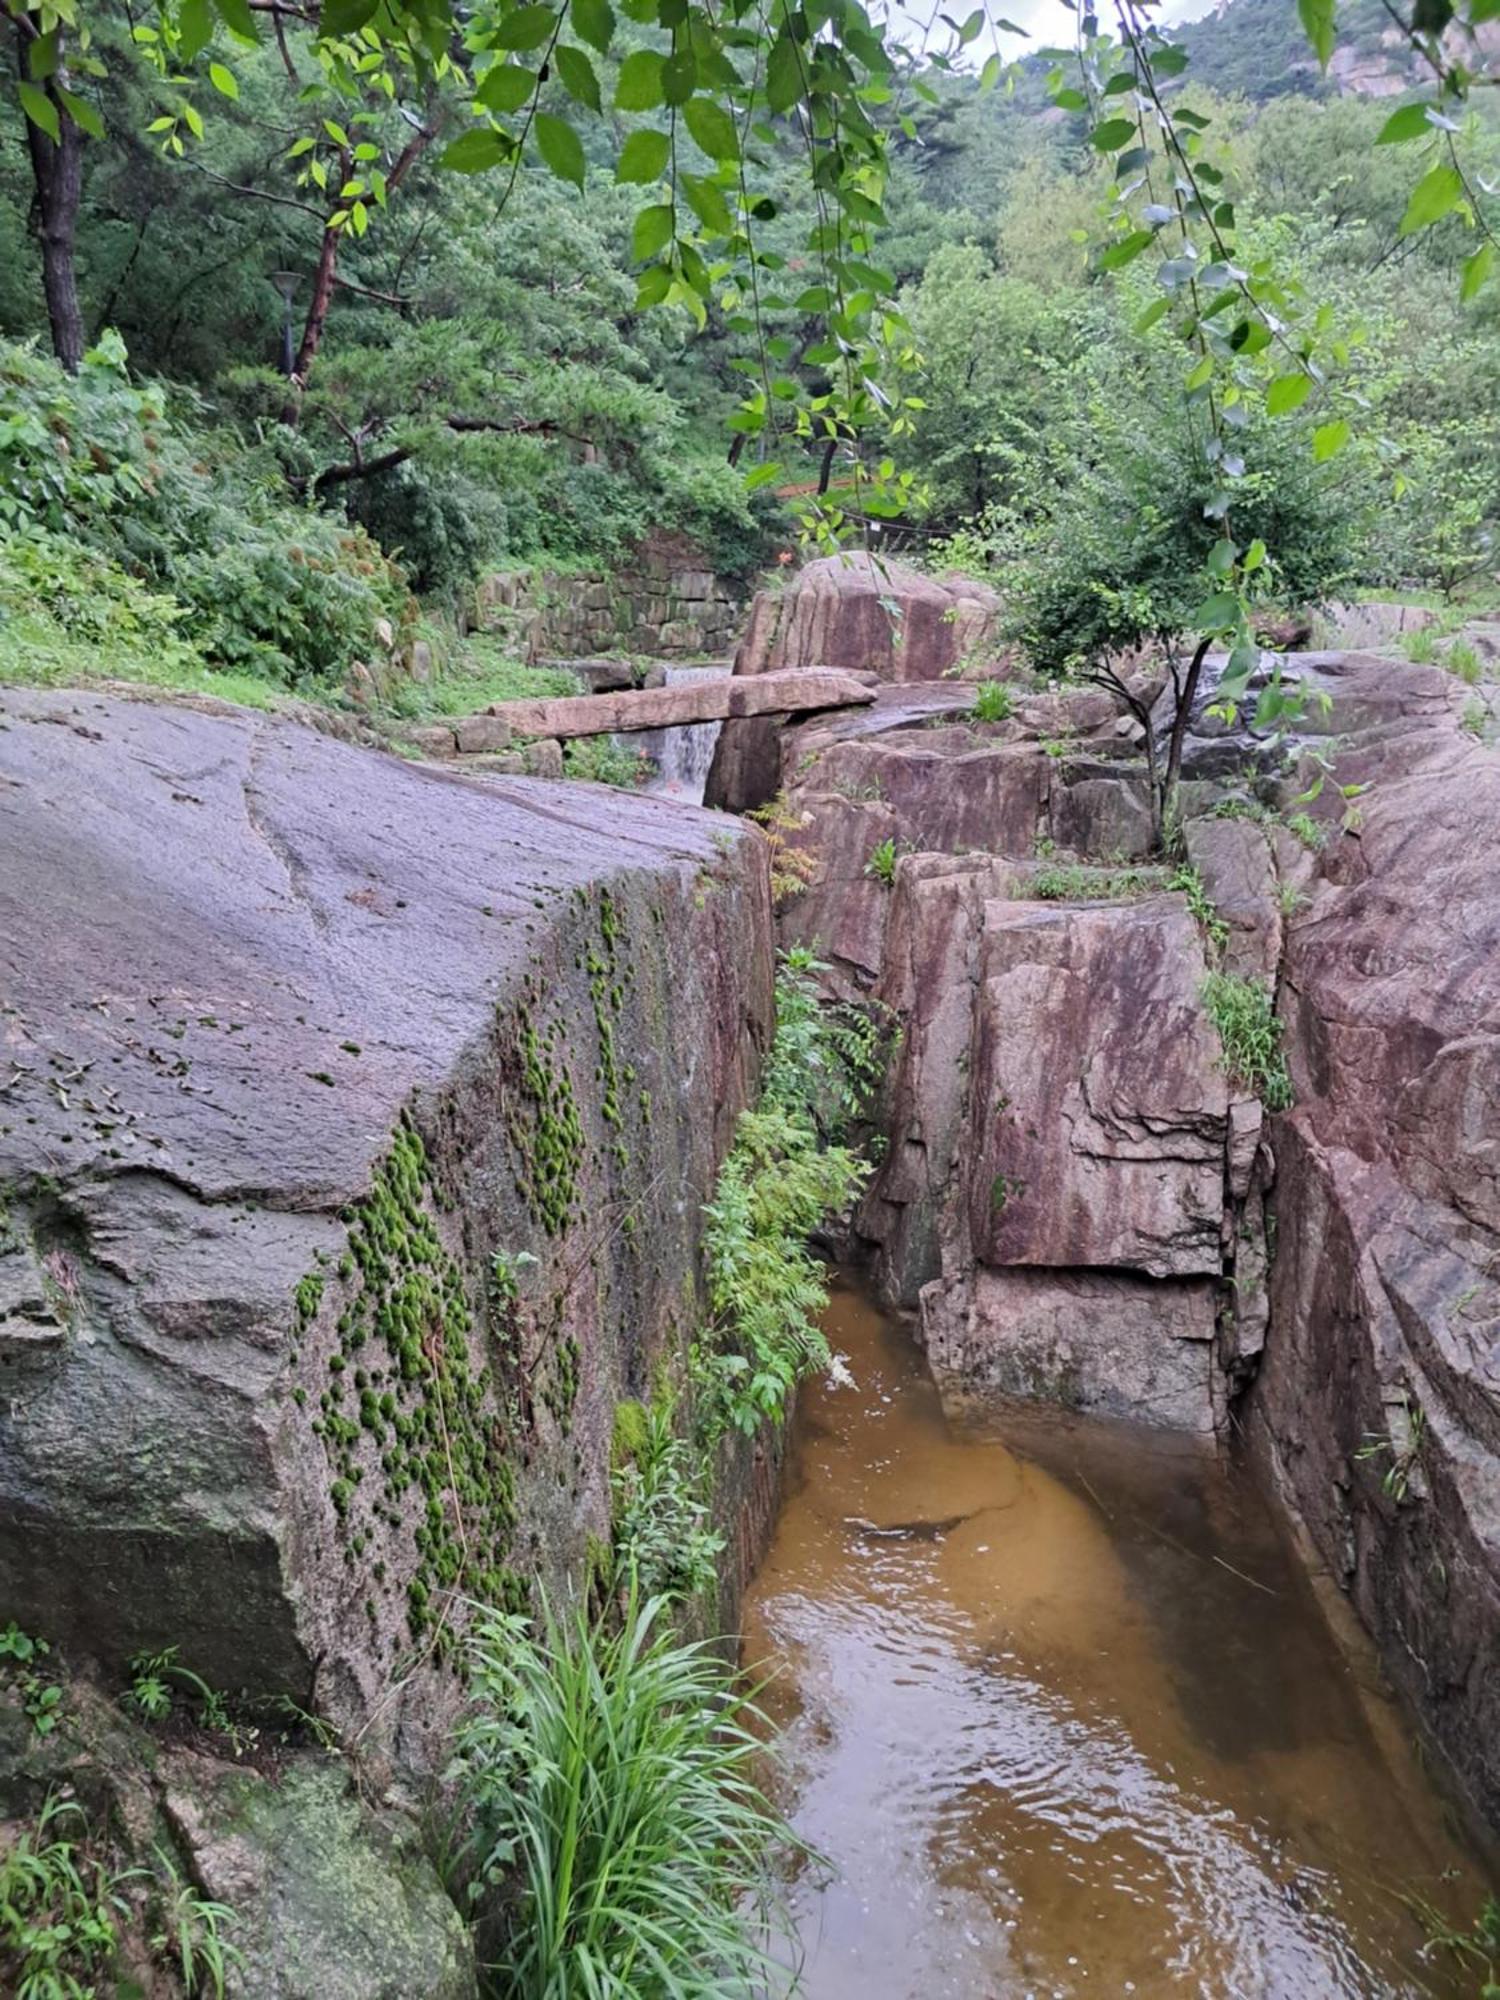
792 691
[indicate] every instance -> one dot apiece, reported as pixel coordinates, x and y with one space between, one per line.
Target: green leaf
707 202
639 86
1069 99
783 74
1110 134
1255 556
1287 393
1152 314
652 232
679 77
713 128
238 19
524 28
1410 122
1329 438
643 157
1118 255
578 77
40 109
475 151
593 22
43 57
195 27
505 87
222 80
1221 558
345 17
1476 269
1217 613
1317 25
82 113
560 146
1435 195
1201 374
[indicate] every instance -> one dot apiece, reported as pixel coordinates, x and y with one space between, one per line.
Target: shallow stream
1066 1717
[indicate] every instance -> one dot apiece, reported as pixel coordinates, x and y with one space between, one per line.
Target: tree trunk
57 169
1180 721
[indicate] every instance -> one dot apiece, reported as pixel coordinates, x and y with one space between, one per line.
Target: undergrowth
64 1912
1250 1034
619 1838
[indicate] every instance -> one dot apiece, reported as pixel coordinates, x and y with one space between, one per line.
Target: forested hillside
475 385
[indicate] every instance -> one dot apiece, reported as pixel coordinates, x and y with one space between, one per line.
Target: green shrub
617 1829
664 1543
286 593
881 866
784 1178
1250 1034
992 702
602 761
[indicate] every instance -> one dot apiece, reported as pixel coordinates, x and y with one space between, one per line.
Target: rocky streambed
356 1123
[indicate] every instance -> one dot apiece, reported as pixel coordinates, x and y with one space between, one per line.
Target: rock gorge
1080 1202
357 1118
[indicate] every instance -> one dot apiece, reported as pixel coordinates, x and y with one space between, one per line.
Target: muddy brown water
1066 1716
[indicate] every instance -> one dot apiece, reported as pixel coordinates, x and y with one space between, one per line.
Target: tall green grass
619 1837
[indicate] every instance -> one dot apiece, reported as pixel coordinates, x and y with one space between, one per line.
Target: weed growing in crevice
65 1911
1201 906
992 702
1078 883
618 1841
1250 1035
41 1696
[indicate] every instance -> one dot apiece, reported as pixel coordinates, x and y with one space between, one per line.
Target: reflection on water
1066 1719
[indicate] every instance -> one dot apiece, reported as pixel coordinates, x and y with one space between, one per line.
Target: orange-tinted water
1065 1716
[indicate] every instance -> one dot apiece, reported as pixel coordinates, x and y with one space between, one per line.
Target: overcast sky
1047 22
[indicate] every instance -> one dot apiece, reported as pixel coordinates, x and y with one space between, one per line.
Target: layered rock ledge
355 1118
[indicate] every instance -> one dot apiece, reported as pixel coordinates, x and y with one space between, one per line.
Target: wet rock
873 617
309 1039
1236 861
1102 1342
1379 1389
1098 1105
334 1900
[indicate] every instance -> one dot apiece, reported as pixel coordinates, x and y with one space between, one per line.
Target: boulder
871 616
355 1120
1103 1342
709 699
332 1901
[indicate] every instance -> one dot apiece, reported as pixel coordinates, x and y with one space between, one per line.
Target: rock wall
1079 1203
664 603
1378 1399
355 1121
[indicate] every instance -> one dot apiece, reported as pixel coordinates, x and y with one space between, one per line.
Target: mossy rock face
334 1901
352 1173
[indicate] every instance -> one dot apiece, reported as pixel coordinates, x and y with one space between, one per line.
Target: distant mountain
1256 49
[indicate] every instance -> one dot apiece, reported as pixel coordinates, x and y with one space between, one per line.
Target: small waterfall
681 755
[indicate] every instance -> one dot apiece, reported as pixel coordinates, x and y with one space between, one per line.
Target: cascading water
681 756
